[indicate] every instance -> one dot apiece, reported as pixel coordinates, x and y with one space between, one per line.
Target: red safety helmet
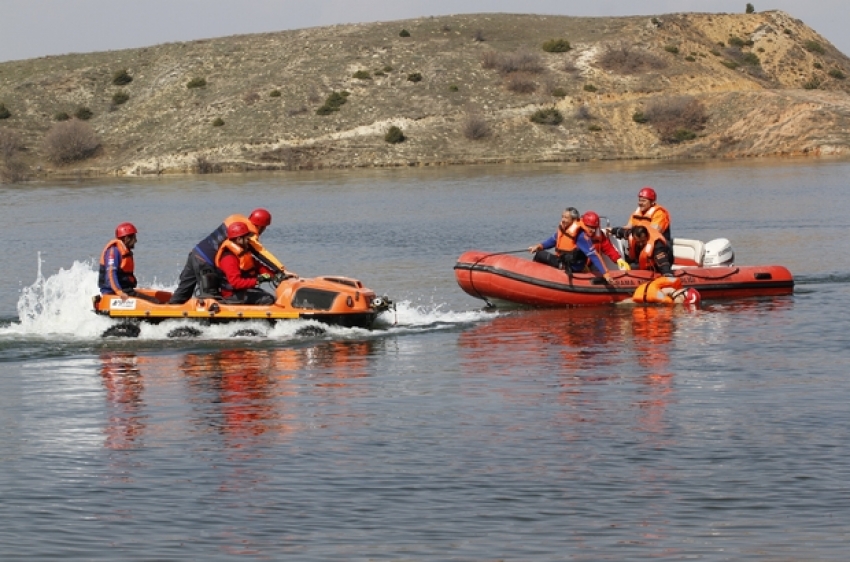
590 219
692 298
260 217
237 229
647 193
125 229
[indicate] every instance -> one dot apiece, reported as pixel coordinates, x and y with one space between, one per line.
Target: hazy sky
33 28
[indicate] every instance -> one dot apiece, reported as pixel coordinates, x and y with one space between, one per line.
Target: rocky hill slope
462 89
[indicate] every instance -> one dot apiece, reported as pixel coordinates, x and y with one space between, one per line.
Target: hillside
672 86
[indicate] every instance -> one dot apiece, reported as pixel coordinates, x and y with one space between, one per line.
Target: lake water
448 432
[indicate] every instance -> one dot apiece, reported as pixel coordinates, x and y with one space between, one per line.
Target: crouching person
242 275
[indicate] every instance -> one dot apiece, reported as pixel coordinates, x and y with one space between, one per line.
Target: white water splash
61 306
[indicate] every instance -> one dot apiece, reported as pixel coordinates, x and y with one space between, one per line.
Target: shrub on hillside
121 77
362 75
414 77
70 141
4 111
837 74
548 116
520 83
556 46
404 33
196 83
394 135
672 49
333 102
814 47
61 116
627 60
12 168
674 118
250 98
478 35
83 113
583 113
475 127
120 97
218 122
559 92
274 94
519 61
750 9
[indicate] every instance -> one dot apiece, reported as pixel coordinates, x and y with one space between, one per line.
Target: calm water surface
448 432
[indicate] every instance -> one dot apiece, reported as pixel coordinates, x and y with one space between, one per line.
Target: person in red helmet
200 265
649 214
600 241
242 273
116 275
574 250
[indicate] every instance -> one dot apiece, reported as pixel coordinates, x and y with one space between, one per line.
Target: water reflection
126 418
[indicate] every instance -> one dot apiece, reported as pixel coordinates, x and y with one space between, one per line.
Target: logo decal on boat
118 304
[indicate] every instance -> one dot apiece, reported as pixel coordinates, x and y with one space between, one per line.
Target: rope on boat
479 260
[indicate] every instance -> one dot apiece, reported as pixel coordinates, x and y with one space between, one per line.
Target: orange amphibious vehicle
500 277
334 300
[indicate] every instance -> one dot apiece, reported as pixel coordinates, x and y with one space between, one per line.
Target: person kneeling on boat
600 241
242 274
666 290
647 249
574 250
116 275
199 268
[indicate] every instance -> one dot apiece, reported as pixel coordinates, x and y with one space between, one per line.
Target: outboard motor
718 253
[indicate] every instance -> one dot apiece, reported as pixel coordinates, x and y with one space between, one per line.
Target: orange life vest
566 239
651 291
246 260
125 271
655 218
644 256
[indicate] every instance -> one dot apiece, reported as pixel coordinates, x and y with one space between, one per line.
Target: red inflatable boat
502 277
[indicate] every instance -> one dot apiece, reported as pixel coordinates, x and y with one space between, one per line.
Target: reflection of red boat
507 278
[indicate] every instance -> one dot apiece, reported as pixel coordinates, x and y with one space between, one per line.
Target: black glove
263 278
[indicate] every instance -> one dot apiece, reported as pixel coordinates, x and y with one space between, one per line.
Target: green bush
750 9
453 88
556 46
672 49
83 113
814 47
274 94
4 111
750 59
594 128
837 74
735 41
387 68
812 84
404 33
639 117
333 102
690 58
394 135
818 65
61 116
196 83
590 88
548 116
730 64
682 135
218 122
121 77
559 93
362 75
120 97
414 77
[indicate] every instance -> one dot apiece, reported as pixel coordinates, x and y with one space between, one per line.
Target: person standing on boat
242 273
200 265
647 249
116 275
573 247
651 215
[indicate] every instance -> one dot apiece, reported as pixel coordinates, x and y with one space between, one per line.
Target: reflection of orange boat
502 277
332 300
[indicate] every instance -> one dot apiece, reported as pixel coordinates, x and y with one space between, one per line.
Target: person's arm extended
584 244
264 256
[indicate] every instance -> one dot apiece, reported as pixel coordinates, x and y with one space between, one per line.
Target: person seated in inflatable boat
666 290
574 250
647 249
116 275
601 244
240 272
200 263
